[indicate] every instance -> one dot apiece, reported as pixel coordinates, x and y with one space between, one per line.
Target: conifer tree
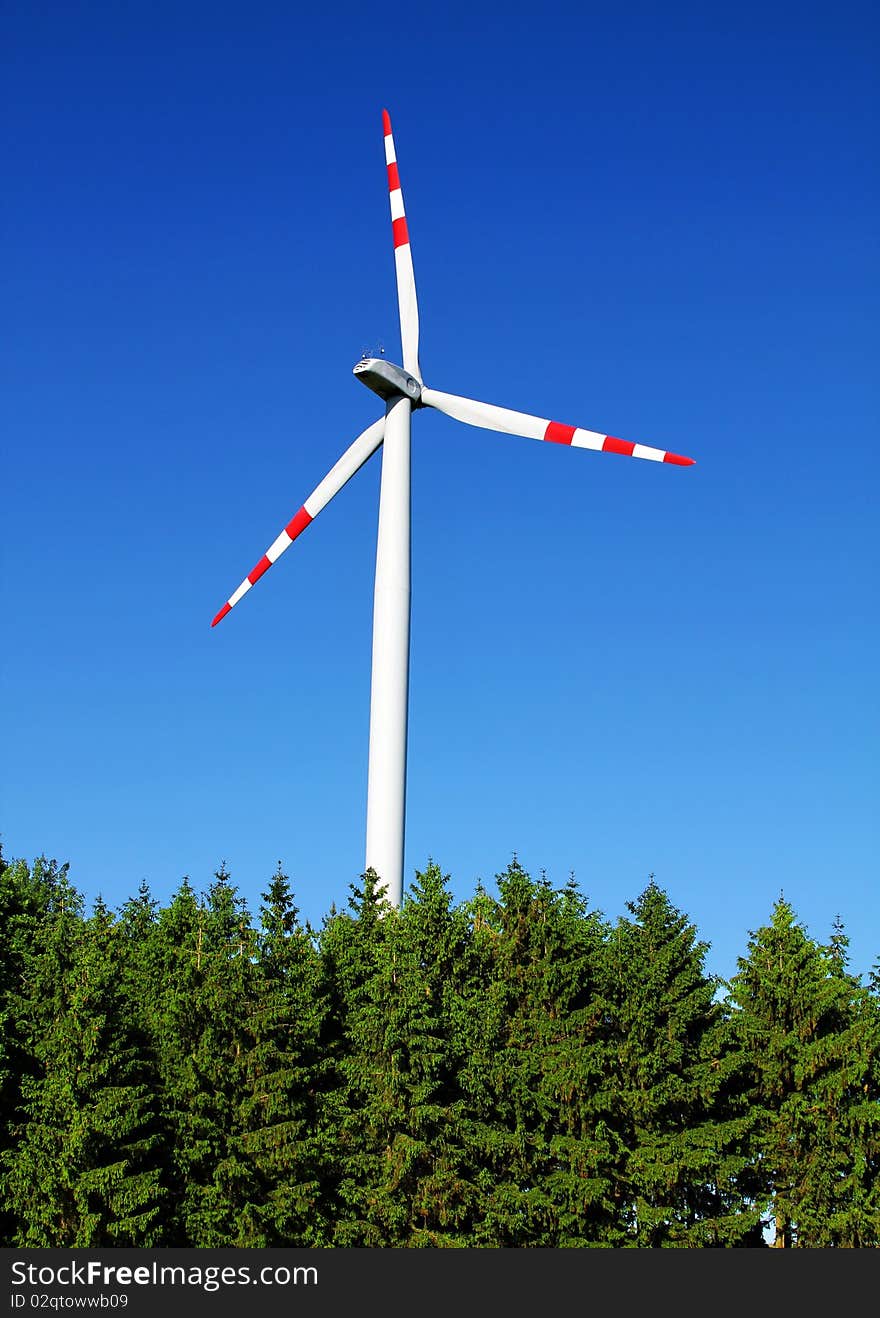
138 920
536 1059
282 1070
434 972
175 955
84 1171
810 1032
25 892
578 1054
841 1206
683 1117
204 960
407 1179
137 969
352 945
509 1131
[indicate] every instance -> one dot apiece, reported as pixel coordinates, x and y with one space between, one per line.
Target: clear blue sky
658 221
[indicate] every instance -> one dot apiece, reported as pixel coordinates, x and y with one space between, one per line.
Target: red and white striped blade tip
297 524
557 433
339 474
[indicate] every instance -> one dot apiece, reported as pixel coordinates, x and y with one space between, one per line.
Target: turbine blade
406 280
351 461
489 417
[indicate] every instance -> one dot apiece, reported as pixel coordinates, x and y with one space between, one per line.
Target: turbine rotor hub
387 380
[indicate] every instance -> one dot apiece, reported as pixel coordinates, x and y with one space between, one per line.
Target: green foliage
83 1168
281 1066
203 979
24 898
512 1070
810 1034
403 1173
683 1120
537 1057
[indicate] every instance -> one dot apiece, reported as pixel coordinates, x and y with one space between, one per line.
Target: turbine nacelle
387 380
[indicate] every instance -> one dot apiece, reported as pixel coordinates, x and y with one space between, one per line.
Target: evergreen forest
514 1070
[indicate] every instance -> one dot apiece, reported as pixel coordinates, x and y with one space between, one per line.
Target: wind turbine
402 390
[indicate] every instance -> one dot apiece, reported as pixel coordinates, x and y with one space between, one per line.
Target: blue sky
658 221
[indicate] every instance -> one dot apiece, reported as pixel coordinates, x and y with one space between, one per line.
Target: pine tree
578 1054
432 1159
683 1117
174 955
352 945
407 1180
138 922
25 894
509 1132
84 1171
281 1068
841 1201
811 1032
536 1056
204 961
138 973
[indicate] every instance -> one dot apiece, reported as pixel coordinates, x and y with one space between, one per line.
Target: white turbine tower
402 390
